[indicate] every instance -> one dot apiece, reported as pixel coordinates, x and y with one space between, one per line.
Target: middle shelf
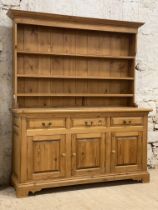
49 53
72 77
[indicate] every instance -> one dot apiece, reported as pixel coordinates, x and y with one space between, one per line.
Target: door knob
63 154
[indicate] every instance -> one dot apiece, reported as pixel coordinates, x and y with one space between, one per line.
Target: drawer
46 123
88 122
123 121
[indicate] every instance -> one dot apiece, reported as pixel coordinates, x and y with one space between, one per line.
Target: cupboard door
126 151
46 157
88 152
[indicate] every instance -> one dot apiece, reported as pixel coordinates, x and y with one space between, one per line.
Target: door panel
88 152
126 151
84 147
46 156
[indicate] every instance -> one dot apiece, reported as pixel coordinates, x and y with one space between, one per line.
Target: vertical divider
133 67
15 102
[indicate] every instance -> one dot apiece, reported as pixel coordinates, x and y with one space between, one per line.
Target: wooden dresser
75 120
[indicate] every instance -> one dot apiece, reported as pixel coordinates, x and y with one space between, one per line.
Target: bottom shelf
72 95
50 102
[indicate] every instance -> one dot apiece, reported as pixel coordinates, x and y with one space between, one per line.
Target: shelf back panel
44 52
72 86
48 102
66 66
61 40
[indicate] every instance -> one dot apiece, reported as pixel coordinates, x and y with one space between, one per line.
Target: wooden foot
11 183
21 193
35 189
137 179
146 178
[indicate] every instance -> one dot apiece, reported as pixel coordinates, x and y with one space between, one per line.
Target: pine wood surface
75 120
82 110
77 67
59 149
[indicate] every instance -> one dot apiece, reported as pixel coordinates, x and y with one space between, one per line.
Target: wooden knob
43 124
74 154
49 124
63 154
113 151
87 124
99 122
124 122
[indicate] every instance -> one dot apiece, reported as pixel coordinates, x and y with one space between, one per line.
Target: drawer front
123 121
88 122
46 123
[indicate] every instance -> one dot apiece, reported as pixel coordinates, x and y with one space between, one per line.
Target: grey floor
121 195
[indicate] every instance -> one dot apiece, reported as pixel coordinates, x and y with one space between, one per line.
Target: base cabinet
52 150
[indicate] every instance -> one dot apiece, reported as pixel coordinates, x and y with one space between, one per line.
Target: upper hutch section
65 61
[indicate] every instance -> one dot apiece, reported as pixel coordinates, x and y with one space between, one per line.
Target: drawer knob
46 125
49 124
113 151
124 122
63 154
43 124
73 154
88 124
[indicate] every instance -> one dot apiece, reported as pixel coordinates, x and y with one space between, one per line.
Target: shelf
73 77
73 55
71 95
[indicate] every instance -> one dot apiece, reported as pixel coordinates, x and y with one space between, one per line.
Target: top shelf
74 55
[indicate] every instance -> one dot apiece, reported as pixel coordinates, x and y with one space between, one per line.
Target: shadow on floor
84 187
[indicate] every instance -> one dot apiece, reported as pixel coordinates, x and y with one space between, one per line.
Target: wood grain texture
63 67
77 145
74 119
73 22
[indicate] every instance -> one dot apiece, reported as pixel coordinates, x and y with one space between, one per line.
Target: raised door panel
126 151
88 152
46 157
